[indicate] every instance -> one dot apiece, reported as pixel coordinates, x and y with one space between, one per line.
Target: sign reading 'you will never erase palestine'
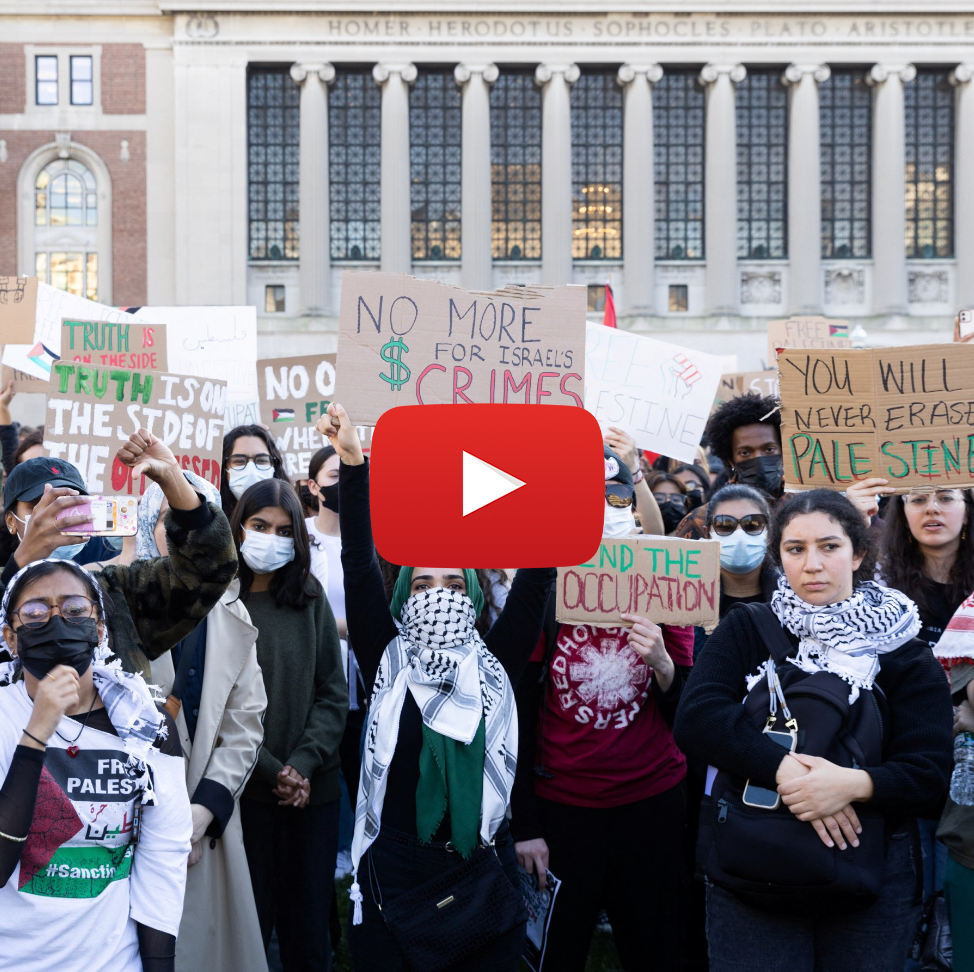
294 393
904 414
403 341
92 410
667 580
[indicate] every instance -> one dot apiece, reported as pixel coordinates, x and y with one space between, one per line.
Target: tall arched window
65 227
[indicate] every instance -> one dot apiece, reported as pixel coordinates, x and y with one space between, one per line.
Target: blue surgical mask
69 551
741 552
264 553
240 480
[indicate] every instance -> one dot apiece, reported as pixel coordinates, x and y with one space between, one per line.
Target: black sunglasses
754 523
619 496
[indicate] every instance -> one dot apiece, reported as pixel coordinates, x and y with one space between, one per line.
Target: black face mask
694 498
57 643
328 497
672 514
763 472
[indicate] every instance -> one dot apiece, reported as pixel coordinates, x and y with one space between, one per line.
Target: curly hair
840 511
749 409
902 560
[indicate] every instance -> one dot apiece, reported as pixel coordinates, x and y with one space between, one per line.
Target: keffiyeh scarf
847 637
128 700
455 680
956 644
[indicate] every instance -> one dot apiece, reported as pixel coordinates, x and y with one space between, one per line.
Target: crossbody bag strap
772 633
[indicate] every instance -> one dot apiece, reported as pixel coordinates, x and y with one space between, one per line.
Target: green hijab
451 774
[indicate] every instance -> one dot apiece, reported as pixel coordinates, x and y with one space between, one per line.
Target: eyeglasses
618 496
677 499
263 461
724 524
74 608
944 498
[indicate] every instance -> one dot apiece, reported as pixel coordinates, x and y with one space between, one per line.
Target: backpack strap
769 628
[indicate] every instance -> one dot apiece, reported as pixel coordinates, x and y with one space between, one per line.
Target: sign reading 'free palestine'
903 414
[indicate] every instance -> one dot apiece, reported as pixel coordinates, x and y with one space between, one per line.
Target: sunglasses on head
619 496
754 523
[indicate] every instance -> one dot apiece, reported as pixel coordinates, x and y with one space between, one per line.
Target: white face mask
240 480
740 553
618 522
25 521
264 553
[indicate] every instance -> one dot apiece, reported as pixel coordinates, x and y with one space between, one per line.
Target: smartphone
759 796
111 516
966 318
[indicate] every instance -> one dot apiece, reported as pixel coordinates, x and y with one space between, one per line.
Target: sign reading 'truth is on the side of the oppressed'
904 414
665 579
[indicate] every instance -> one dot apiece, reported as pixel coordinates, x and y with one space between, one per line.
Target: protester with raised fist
95 822
596 765
289 808
217 698
861 766
440 747
249 456
156 602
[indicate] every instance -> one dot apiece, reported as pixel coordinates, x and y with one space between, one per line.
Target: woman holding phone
839 621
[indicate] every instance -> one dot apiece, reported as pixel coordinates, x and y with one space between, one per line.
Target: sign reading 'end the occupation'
904 414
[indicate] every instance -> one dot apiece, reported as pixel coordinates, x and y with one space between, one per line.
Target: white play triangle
484 483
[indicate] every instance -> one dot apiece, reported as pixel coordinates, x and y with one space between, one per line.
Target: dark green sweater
307 697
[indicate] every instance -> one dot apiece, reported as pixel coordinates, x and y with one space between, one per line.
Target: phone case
778 737
112 516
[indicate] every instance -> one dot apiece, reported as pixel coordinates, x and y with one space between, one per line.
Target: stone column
555 81
638 180
888 188
964 184
720 187
804 187
395 207
315 270
475 227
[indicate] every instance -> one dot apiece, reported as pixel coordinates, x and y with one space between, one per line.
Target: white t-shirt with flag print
73 901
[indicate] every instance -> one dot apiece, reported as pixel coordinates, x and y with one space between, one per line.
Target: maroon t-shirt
605 742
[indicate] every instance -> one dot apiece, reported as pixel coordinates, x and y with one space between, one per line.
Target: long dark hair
838 509
292 585
314 467
45 568
902 559
227 498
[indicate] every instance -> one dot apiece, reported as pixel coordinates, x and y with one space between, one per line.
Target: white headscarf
150 506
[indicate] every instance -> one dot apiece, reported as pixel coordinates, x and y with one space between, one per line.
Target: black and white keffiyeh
455 680
847 637
129 702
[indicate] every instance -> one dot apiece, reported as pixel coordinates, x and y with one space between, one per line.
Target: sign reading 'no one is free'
903 414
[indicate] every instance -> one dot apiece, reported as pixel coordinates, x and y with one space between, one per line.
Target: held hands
532 855
44 530
293 789
337 428
56 694
863 494
646 639
623 445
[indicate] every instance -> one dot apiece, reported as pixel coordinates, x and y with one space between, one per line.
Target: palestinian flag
43 356
283 414
839 330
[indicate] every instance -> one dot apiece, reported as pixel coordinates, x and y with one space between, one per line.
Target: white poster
660 393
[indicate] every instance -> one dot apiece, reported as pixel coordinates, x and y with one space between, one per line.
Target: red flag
609 318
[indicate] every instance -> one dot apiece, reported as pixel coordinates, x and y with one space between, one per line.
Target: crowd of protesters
187 718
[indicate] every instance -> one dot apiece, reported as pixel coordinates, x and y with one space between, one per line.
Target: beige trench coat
219 930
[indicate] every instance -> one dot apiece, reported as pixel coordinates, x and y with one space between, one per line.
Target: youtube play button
484 483
487 485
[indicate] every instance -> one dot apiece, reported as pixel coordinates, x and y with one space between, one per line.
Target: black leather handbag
454 914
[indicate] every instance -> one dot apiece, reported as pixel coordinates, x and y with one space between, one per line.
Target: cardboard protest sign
294 394
92 410
51 307
403 341
667 580
764 383
115 344
905 414
660 393
806 332
22 382
18 307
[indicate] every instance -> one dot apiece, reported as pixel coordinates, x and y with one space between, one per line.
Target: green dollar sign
398 371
